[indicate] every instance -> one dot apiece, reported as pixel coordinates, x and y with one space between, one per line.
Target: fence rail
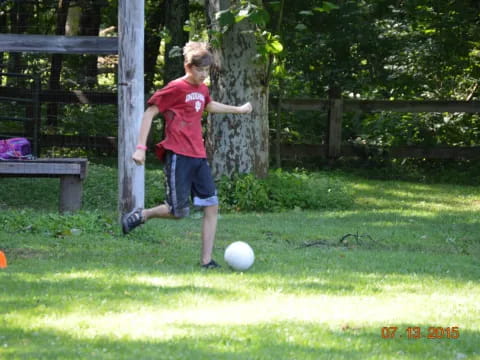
305 152
334 147
383 105
56 44
8 93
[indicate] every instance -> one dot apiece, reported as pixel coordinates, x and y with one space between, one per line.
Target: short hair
197 53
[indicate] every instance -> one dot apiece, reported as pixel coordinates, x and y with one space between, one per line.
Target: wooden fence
56 44
334 148
60 96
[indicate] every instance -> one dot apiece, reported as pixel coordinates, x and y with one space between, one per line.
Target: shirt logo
198 106
199 98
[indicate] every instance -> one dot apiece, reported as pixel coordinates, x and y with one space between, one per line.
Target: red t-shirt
182 105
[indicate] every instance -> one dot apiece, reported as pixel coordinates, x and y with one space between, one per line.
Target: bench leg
71 188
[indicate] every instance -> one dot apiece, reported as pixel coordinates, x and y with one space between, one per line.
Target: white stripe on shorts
173 186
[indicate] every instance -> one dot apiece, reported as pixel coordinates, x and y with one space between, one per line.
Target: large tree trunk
176 13
237 143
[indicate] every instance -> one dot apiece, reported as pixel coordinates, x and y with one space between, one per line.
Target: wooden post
335 128
71 188
131 178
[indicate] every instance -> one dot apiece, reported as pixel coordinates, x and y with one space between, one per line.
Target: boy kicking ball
187 173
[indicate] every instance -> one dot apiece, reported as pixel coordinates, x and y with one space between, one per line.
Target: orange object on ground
3 260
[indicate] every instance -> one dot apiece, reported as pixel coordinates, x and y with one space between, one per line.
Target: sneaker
131 220
211 265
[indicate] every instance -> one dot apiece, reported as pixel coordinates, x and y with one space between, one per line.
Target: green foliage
88 120
299 189
369 49
414 170
243 193
282 190
28 221
101 186
154 186
77 289
430 129
243 11
268 43
381 50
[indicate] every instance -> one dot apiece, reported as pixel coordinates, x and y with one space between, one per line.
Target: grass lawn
75 288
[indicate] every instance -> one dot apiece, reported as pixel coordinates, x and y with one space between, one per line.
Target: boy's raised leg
160 211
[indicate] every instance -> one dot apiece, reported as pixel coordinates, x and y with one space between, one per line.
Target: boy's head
197 54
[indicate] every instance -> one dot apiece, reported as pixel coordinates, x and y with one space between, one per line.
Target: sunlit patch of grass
412 196
412 260
263 309
362 300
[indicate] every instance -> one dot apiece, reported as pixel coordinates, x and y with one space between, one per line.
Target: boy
187 173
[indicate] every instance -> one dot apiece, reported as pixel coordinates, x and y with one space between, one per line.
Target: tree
20 15
385 49
176 14
57 59
90 26
154 22
237 144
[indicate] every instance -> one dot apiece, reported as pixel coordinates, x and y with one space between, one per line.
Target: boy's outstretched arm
216 107
148 115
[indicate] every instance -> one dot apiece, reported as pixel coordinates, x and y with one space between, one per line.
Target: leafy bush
88 120
427 129
243 192
283 190
306 191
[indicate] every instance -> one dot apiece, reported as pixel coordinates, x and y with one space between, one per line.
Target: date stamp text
417 332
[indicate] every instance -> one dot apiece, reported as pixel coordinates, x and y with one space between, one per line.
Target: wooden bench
71 172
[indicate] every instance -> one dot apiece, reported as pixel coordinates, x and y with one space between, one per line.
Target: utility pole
131 178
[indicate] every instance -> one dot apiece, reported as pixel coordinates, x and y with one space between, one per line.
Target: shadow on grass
42 194
102 293
285 340
100 190
104 280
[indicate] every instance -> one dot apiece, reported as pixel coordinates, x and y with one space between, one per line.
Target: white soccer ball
239 256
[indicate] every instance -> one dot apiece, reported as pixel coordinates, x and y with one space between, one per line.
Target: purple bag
15 148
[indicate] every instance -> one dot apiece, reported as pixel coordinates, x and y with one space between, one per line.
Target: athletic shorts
188 179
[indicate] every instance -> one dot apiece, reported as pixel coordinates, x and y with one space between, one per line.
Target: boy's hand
245 108
139 157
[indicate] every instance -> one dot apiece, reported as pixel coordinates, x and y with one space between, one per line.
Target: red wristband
142 147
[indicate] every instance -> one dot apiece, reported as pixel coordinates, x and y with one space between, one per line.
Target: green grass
76 288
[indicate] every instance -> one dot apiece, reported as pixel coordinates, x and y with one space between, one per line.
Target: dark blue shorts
188 179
